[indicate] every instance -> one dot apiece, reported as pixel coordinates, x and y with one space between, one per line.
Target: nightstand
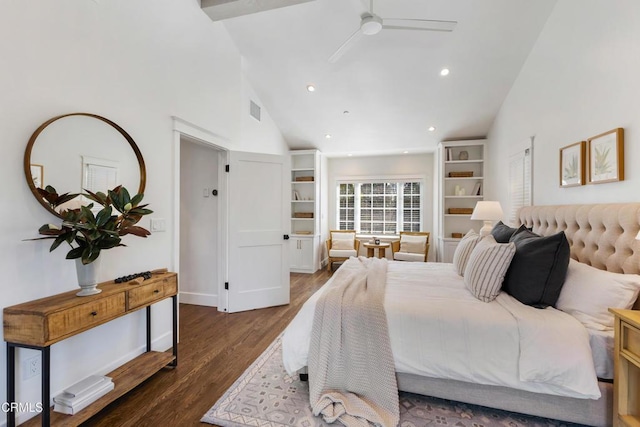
626 358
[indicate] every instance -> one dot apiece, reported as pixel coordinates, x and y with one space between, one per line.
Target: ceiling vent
254 110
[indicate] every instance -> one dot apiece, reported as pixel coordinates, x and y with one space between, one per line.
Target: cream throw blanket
352 376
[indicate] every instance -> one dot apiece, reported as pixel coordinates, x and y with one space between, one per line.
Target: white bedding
439 329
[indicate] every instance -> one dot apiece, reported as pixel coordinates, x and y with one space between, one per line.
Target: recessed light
432 128
444 72
405 152
311 88
328 136
349 155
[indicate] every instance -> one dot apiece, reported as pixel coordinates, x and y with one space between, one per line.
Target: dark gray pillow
538 269
502 232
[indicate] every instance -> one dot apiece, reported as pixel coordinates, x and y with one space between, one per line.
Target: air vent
254 110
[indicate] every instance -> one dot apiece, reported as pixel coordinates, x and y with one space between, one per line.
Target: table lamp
487 212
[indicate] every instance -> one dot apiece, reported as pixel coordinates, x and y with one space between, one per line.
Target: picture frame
605 157
37 175
572 161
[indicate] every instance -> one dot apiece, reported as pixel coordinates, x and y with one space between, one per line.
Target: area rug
266 396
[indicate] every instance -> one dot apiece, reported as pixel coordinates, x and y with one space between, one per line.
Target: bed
602 236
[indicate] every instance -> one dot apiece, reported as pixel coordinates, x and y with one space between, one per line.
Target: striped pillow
463 250
487 266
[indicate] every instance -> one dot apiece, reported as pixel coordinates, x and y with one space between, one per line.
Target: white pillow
342 241
588 293
463 251
413 244
487 265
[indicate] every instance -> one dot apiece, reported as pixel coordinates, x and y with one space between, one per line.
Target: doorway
200 223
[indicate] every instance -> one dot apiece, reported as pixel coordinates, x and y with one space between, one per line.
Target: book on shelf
82 394
85 386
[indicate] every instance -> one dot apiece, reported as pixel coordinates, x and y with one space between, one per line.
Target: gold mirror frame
34 137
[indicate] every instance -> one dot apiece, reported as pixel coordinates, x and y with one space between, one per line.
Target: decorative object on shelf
88 233
461 174
303 214
376 241
456 235
304 178
572 165
145 275
605 157
488 212
477 189
464 155
296 195
460 211
88 277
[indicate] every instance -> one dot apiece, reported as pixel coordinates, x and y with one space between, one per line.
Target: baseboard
195 298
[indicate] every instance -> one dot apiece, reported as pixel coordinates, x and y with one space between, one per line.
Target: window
380 207
520 183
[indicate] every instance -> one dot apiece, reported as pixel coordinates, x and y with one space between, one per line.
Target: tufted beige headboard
601 235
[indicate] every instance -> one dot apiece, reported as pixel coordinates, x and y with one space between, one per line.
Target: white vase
88 277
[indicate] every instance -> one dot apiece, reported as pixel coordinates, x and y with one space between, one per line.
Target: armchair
341 245
412 246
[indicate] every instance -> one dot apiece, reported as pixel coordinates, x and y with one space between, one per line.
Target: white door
258 217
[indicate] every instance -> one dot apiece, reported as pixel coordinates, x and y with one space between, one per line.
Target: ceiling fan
371 24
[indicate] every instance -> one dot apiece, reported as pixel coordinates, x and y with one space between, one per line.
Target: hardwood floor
214 350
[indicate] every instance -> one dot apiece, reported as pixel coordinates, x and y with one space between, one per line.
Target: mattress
601 343
439 329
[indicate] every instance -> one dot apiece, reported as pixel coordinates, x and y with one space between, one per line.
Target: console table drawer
147 294
85 316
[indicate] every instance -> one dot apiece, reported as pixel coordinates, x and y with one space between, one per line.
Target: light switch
158 224
205 192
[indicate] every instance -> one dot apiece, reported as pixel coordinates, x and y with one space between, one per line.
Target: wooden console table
40 323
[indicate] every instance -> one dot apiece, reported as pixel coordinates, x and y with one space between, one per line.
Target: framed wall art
605 157
572 165
37 175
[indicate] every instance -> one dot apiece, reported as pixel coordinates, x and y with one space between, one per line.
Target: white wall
138 64
581 79
397 166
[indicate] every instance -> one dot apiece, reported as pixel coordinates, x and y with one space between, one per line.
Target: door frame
182 128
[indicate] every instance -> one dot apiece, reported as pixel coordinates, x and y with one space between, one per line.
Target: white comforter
439 329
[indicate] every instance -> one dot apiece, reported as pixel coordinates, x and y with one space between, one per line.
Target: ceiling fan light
371 25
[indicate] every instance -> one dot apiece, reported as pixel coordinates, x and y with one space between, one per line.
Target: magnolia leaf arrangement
88 233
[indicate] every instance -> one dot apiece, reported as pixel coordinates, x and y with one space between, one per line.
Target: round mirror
81 151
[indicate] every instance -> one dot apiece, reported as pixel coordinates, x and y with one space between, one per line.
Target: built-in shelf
471 189
304 245
464 161
463 177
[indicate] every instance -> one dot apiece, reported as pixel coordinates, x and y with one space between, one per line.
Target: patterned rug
266 396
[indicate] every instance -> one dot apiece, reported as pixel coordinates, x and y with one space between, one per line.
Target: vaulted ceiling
385 91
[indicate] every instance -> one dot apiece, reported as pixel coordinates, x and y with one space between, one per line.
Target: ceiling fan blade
345 46
419 24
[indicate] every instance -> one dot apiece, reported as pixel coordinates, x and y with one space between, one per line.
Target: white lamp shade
638 236
487 211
